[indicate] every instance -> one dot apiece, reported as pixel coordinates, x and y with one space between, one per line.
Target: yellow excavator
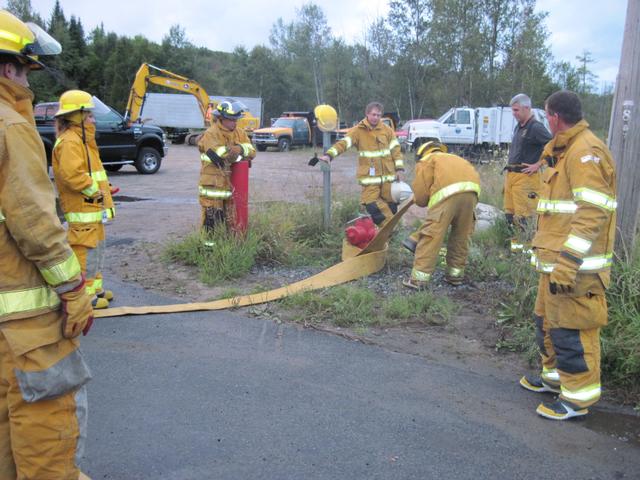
150 74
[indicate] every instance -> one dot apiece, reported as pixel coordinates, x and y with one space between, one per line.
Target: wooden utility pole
624 132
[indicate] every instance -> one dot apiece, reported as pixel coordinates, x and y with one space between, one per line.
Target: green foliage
293 234
281 233
621 338
424 307
230 256
492 183
344 306
515 282
355 305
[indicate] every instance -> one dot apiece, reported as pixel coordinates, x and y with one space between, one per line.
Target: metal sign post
326 184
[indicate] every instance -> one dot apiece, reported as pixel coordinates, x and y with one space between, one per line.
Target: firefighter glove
234 152
563 276
97 196
77 312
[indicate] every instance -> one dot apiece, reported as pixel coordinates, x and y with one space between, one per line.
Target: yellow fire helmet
326 117
74 101
430 147
25 41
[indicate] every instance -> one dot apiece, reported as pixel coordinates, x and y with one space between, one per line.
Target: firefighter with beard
43 303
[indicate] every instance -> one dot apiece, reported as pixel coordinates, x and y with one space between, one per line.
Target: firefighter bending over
83 186
43 304
221 145
380 162
448 186
573 252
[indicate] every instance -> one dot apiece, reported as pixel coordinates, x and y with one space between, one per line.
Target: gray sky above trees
574 25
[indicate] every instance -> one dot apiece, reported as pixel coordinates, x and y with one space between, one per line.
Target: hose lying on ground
368 261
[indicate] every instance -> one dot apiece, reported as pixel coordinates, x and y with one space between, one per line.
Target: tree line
422 58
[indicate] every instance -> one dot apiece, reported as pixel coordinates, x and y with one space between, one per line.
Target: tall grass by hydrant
220 255
279 234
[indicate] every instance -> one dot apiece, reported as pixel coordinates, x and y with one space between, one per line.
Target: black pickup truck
142 146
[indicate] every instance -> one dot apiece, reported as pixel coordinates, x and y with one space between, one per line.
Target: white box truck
474 132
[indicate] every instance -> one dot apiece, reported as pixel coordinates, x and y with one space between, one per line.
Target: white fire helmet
400 191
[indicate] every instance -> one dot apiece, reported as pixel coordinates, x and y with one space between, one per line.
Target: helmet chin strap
84 140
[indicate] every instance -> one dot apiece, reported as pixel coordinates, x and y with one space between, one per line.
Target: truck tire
261 148
113 168
192 139
284 144
148 160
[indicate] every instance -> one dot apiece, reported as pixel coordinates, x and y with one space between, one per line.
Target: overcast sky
574 25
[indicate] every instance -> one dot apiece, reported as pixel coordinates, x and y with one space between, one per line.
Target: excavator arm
149 74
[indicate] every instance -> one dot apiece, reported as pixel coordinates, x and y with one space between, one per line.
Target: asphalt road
219 395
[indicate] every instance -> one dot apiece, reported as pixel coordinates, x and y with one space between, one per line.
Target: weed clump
354 305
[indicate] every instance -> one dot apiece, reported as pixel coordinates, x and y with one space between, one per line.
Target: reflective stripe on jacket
79 178
441 175
35 255
578 202
379 155
215 181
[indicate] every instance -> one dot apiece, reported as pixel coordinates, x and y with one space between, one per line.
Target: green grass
354 305
515 283
280 233
231 256
423 307
621 338
491 183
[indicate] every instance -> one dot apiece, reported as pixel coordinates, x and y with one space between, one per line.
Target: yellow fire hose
365 262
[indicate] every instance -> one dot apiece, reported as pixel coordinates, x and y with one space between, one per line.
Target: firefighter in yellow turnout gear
221 145
43 305
573 253
83 186
380 162
449 186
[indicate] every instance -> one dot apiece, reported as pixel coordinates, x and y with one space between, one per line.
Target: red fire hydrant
240 195
361 232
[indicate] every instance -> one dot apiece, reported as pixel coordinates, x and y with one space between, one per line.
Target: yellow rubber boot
100 303
106 294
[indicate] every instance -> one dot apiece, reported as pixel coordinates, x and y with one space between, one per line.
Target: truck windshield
105 115
284 122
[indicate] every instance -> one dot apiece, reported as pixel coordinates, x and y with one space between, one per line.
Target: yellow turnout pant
521 194
88 243
43 401
568 337
457 212
378 203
